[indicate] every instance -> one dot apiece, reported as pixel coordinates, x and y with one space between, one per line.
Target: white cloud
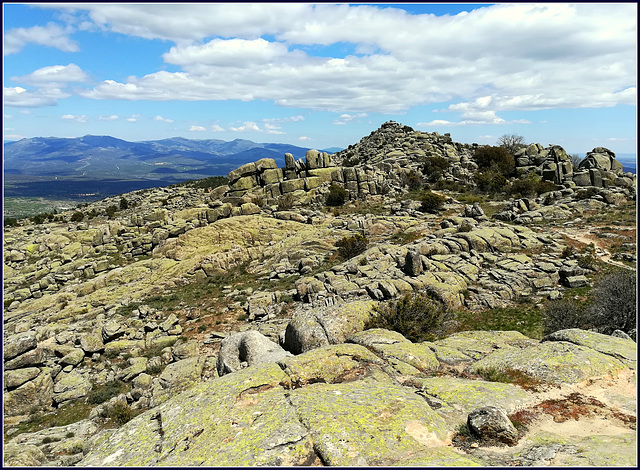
196 129
247 127
51 35
304 138
14 136
162 119
112 117
21 98
297 118
134 118
73 117
216 128
54 75
557 56
273 129
343 119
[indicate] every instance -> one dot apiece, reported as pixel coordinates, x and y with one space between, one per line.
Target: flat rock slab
622 349
367 422
478 344
553 362
463 396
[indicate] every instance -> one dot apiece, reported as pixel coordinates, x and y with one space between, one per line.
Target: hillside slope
243 300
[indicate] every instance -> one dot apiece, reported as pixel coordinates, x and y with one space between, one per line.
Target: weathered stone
73 358
250 347
15 378
70 386
553 362
310 329
289 161
244 170
623 349
111 331
23 455
493 424
91 342
19 344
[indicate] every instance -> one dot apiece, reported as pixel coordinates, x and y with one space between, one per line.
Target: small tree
614 305
511 142
575 161
124 204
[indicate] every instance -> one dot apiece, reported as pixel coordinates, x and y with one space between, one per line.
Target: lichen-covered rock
15 378
477 344
176 377
310 329
23 455
70 386
493 424
367 422
36 393
625 350
241 419
398 351
552 362
462 396
329 364
18 344
246 349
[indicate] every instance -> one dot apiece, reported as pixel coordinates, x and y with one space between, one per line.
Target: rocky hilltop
232 326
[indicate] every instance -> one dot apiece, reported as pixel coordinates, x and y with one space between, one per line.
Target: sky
323 75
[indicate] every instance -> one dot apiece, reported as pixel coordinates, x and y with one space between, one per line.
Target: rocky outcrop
345 404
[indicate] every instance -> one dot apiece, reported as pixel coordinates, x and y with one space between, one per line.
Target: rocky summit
408 301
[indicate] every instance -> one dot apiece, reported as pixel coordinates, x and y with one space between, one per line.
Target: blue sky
323 75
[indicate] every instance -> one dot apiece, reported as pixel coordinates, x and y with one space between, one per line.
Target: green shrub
614 303
101 393
120 413
412 180
124 204
348 247
111 211
497 158
10 222
490 181
417 317
561 315
431 202
337 195
530 186
434 168
77 216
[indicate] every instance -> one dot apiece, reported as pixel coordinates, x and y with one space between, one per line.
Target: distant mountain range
105 157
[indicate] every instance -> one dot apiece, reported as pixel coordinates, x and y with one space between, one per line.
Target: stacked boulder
600 168
552 163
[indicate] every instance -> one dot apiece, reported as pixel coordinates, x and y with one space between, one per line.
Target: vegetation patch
510 376
524 318
418 317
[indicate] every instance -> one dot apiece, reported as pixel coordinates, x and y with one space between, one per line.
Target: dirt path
587 238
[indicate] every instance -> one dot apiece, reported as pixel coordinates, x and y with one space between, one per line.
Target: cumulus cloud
197 129
22 98
55 75
134 118
51 35
247 127
216 128
112 117
73 117
343 119
162 119
557 56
